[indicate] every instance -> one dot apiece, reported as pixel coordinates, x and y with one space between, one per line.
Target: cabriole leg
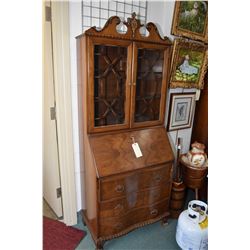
99 245
164 221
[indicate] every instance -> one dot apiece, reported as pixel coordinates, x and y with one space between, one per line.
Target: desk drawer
119 186
121 206
113 225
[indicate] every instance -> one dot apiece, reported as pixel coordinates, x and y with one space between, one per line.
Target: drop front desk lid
113 153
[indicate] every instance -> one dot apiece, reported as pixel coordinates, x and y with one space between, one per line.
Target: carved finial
133 22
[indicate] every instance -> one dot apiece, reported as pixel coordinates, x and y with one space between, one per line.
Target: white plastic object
192 229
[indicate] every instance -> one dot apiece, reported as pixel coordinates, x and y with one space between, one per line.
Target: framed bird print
190 20
189 64
181 111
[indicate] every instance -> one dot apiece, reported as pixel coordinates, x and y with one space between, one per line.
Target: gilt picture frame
189 64
181 111
190 20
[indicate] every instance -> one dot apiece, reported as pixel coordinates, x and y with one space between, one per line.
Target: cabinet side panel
166 72
80 119
85 151
80 101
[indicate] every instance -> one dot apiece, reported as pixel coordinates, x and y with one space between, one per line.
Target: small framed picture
189 64
190 20
181 111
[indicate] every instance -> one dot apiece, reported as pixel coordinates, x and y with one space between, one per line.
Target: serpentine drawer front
113 225
119 186
133 200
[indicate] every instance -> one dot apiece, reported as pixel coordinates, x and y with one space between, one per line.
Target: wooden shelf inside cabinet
122 95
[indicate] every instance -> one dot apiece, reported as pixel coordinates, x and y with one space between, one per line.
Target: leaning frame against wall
189 64
181 111
122 94
190 20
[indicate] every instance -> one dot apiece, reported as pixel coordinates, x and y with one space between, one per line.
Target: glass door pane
149 78
110 73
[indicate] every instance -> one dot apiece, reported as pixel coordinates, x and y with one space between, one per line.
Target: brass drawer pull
119 188
154 212
158 178
118 206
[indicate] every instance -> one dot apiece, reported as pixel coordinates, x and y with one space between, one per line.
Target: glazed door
149 77
109 85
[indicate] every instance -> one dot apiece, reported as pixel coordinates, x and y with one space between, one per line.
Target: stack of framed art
189 59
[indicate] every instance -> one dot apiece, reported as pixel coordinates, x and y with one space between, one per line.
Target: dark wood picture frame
181 111
191 21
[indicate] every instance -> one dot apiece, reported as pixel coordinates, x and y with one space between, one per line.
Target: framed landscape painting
181 111
189 64
190 20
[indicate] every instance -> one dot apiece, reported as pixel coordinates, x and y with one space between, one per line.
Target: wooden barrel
193 177
177 194
177 199
176 204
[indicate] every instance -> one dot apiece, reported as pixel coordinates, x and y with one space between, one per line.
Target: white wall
75 30
160 13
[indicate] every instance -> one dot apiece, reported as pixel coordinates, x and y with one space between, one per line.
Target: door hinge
48 14
59 192
52 113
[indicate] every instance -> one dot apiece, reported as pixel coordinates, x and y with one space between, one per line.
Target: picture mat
187 101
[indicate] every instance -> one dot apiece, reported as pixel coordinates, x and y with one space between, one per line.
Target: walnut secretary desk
122 97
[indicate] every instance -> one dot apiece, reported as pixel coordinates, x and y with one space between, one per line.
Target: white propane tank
192 227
